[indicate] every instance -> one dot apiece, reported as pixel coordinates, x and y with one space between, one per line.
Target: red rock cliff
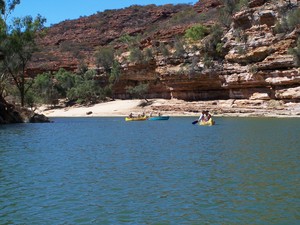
256 63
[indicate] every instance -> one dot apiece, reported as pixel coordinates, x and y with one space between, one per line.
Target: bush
148 54
85 88
230 7
296 53
288 22
213 44
208 62
136 55
179 48
162 48
43 90
126 39
104 57
115 73
186 16
138 91
65 80
196 32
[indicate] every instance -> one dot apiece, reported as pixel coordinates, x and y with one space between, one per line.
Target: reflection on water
108 171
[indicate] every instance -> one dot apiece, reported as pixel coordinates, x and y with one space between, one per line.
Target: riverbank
175 107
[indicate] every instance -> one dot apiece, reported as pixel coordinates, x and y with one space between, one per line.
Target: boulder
39 118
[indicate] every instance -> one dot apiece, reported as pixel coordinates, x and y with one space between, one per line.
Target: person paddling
201 117
205 116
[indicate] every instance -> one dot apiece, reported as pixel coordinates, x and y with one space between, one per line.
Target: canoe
159 118
136 118
210 122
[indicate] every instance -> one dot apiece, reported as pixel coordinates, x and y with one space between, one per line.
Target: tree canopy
17 44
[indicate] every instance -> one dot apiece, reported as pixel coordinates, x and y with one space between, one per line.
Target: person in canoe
205 116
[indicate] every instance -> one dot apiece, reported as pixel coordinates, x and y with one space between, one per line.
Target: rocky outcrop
72 42
10 113
207 5
38 118
256 66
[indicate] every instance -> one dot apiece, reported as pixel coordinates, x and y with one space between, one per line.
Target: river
108 171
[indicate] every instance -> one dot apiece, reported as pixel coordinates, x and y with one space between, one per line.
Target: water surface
108 171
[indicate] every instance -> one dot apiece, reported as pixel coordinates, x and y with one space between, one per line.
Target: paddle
196 121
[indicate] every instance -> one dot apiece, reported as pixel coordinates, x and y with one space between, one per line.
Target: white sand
112 108
171 107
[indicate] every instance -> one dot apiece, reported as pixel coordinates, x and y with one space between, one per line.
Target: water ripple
107 171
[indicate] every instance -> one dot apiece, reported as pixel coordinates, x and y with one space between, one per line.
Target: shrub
296 53
115 72
126 39
162 48
179 48
104 57
253 69
289 22
229 8
85 89
138 91
196 32
213 44
65 80
148 54
186 16
43 90
136 55
208 62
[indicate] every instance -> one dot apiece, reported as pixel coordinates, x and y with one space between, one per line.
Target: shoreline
178 108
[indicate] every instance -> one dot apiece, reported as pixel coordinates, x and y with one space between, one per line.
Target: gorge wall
256 64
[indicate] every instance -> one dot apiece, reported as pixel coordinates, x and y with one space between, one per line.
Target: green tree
86 89
44 89
104 57
138 91
65 80
4 84
6 7
115 72
17 44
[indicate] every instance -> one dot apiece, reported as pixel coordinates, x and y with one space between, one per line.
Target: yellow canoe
210 122
136 118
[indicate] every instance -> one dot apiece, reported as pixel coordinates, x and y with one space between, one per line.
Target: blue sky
56 11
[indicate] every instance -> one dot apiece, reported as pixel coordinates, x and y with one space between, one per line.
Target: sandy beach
175 107
111 108
116 108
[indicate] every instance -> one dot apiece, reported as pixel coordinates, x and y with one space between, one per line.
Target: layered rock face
263 69
256 64
72 42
